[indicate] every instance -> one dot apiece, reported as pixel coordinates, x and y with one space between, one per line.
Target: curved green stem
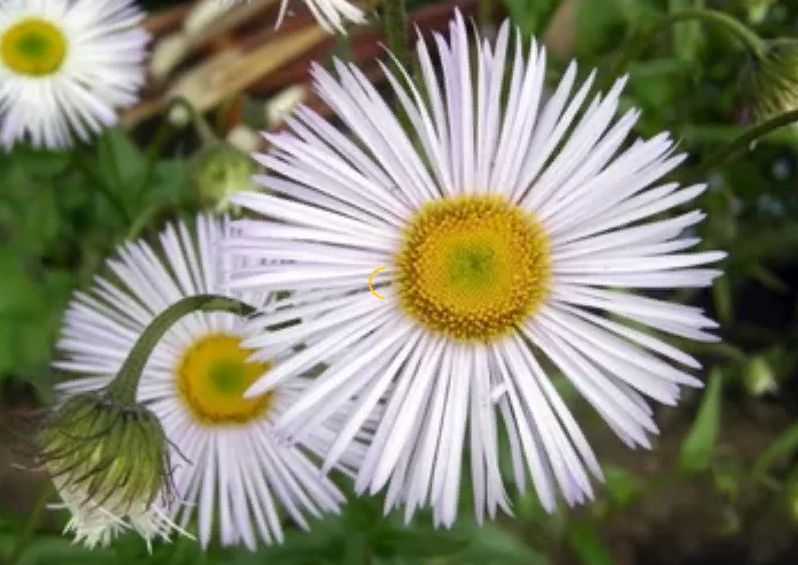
34 518
749 38
123 387
741 142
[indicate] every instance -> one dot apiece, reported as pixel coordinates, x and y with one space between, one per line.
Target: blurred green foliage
62 214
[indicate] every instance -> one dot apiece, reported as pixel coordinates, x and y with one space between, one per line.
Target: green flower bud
771 83
220 171
110 465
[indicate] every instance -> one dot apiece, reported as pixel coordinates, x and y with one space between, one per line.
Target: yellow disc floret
212 376
33 47
473 267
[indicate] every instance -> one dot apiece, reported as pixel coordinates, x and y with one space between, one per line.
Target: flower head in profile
229 463
503 231
771 81
65 66
109 462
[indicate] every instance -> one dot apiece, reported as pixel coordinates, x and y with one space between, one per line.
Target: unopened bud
771 83
220 171
110 465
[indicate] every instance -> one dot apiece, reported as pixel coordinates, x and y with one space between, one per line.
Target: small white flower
65 66
501 232
228 462
331 14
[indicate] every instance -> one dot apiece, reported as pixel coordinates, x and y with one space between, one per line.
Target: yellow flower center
211 379
33 47
473 267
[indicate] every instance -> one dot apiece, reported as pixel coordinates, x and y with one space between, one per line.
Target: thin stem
632 53
204 131
31 524
154 151
741 142
87 168
123 387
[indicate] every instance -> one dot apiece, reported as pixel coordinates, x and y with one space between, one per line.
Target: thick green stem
634 51
123 387
740 143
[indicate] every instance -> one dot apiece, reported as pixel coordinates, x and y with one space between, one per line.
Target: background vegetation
721 484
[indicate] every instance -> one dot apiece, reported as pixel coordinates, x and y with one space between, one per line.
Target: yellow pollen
33 47
473 267
212 376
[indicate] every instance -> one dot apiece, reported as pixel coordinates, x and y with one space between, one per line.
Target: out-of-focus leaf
722 299
419 543
700 441
119 160
587 546
60 550
687 36
530 15
492 545
598 22
779 449
621 485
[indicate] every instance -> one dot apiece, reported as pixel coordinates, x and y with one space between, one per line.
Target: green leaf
687 36
530 15
120 162
51 550
784 446
419 543
698 446
493 545
589 549
621 485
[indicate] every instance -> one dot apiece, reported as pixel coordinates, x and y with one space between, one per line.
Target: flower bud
771 83
220 171
109 463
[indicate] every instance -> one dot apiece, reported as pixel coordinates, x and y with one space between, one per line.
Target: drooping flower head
66 66
493 235
771 82
228 462
109 463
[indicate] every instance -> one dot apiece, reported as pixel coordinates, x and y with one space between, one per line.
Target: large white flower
228 461
501 231
65 65
331 14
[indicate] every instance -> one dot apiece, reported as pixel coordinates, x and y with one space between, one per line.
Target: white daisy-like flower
331 14
65 66
493 240
228 462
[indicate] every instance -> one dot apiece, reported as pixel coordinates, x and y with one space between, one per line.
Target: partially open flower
771 82
220 171
109 463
